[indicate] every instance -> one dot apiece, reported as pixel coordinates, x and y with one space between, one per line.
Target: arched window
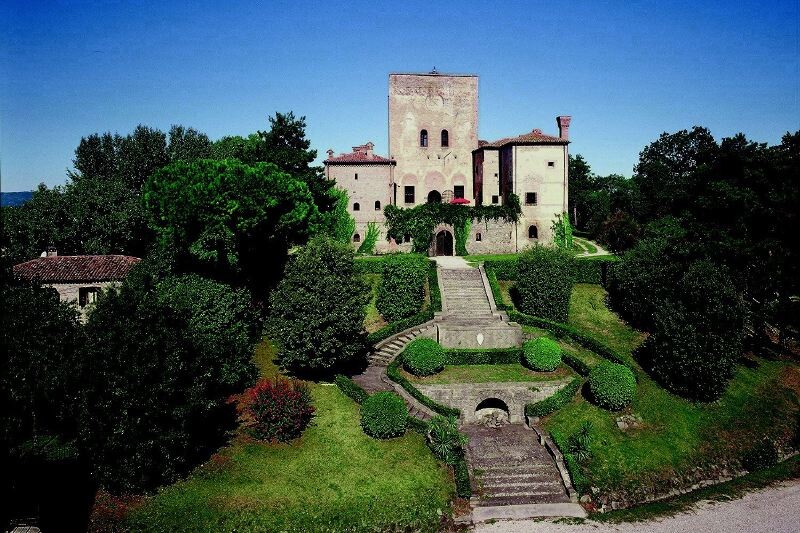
533 233
445 139
478 237
423 138
356 238
356 207
377 205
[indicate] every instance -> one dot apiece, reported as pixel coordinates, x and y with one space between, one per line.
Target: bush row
554 402
401 292
415 424
499 301
495 356
563 330
461 475
433 286
576 364
585 269
579 480
393 372
369 265
544 282
350 388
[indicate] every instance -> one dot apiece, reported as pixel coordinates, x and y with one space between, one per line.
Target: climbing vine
418 222
368 246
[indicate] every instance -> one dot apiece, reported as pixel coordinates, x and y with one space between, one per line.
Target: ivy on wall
368 246
418 222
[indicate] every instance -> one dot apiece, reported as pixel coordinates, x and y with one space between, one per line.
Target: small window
551 163
423 138
445 139
356 207
356 175
533 233
407 237
356 238
377 205
87 295
530 198
409 194
495 199
458 191
478 237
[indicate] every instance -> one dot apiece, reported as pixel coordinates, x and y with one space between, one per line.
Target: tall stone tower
433 129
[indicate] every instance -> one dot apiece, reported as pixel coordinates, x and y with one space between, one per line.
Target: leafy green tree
249 150
28 229
318 310
188 144
562 232
339 221
228 219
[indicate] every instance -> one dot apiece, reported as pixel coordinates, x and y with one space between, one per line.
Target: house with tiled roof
77 278
435 155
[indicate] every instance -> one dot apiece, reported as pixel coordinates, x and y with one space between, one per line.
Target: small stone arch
493 408
434 197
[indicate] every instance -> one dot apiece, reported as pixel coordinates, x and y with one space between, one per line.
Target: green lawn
488 374
676 434
586 245
333 478
373 321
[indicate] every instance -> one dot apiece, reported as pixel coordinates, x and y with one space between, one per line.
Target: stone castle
435 155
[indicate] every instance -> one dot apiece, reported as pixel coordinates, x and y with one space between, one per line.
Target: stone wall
70 292
533 173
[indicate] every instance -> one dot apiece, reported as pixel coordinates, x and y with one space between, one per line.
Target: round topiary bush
542 354
383 415
423 357
612 385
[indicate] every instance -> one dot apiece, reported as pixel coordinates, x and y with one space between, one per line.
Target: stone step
511 491
521 473
518 500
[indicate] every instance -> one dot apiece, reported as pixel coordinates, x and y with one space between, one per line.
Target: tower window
533 233
478 237
409 194
495 199
356 207
356 238
458 191
530 198
445 139
551 163
423 138
377 205
356 175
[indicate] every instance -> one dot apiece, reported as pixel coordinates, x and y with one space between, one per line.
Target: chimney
369 146
563 126
51 251
330 153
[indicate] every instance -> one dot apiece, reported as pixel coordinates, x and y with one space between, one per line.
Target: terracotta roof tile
361 155
76 268
534 137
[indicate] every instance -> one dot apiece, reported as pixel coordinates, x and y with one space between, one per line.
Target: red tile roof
534 137
76 268
361 155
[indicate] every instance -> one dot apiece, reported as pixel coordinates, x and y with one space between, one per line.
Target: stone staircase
510 467
374 378
464 295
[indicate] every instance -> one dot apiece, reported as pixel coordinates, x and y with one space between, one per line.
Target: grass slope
333 478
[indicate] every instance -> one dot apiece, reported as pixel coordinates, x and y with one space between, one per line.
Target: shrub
280 409
461 475
383 415
370 239
542 354
544 282
505 269
444 439
612 385
318 310
761 456
350 388
491 356
579 444
554 402
393 373
402 288
423 357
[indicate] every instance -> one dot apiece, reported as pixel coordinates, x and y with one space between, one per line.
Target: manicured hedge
461 475
415 424
493 356
384 415
402 288
423 357
613 386
554 402
370 265
563 330
393 373
544 282
576 364
499 300
433 286
505 269
593 269
350 388
542 354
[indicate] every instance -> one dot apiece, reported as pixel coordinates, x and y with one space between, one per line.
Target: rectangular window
458 191
551 163
356 175
530 198
495 199
87 295
409 194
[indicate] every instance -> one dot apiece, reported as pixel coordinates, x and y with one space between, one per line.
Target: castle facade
435 155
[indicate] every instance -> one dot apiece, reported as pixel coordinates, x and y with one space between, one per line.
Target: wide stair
510 467
464 295
374 378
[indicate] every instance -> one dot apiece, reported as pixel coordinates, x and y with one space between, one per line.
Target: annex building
436 155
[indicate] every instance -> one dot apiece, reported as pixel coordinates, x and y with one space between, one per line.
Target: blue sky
625 71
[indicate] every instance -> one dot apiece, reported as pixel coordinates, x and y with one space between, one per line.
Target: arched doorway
492 412
434 197
444 243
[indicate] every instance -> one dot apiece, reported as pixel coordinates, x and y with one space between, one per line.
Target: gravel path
776 510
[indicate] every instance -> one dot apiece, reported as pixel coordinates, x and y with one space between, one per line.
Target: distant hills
15 198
